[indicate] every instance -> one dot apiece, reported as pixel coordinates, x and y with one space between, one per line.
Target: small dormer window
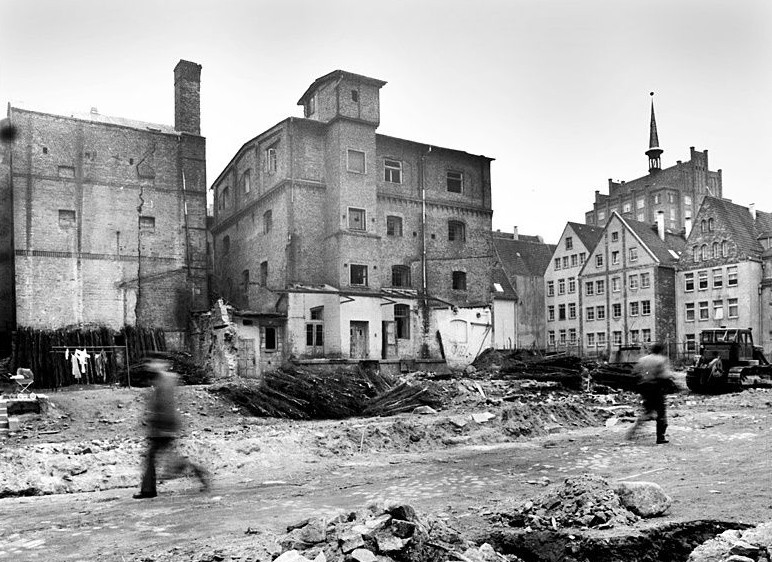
310 106
355 95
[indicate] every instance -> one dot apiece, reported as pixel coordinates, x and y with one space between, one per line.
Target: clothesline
80 355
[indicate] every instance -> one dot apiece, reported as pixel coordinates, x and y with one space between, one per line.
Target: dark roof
745 231
500 277
522 257
589 235
660 248
763 224
336 74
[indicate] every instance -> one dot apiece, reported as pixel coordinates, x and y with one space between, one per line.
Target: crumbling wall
214 342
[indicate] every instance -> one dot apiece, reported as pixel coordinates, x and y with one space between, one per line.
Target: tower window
358 275
456 231
357 219
455 181
355 95
356 161
271 160
264 274
267 221
226 244
393 226
400 276
459 281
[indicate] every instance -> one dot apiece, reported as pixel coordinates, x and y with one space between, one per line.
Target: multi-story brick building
563 297
628 286
725 275
518 298
108 218
341 240
676 191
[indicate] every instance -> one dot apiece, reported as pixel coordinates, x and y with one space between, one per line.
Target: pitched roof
740 222
662 249
500 277
763 224
99 118
336 75
589 235
522 257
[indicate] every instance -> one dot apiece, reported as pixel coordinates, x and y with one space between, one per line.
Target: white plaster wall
466 332
504 333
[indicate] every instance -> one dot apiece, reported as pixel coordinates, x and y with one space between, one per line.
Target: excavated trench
671 542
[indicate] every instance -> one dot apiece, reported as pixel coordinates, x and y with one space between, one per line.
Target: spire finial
654 151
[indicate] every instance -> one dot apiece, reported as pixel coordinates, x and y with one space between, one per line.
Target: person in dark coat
655 381
163 424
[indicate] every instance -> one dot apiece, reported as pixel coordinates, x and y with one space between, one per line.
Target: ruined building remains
338 242
104 218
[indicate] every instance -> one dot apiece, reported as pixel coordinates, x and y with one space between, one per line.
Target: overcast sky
557 91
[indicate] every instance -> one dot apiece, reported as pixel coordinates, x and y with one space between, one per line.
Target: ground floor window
402 320
269 338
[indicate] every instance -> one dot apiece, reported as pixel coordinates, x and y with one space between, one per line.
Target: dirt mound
582 501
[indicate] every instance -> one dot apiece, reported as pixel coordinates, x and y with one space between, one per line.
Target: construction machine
727 361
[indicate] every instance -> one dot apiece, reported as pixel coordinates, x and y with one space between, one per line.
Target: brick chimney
187 97
661 224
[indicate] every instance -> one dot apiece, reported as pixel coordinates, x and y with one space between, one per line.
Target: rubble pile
298 394
568 370
582 501
382 533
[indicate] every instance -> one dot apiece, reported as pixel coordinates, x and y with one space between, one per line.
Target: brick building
725 274
348 244
108 218
563 297
518 291
628 286
676 191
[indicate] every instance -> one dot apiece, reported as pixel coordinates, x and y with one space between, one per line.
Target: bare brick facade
109 217
324 221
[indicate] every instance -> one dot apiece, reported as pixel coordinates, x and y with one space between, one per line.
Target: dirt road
716 466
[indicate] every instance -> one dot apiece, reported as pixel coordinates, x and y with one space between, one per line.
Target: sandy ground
85 456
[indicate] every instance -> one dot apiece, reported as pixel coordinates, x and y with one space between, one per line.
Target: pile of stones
379 533
583 501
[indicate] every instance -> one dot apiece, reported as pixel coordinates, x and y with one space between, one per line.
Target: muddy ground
68 475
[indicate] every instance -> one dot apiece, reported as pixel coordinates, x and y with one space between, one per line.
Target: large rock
645 499
735 546
292 556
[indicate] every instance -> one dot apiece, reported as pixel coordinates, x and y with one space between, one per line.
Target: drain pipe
424 268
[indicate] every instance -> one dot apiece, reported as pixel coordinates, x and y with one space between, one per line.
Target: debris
483 417
645 499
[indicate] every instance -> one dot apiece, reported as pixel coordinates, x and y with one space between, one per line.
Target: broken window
270 338
402 320
459 281
147 223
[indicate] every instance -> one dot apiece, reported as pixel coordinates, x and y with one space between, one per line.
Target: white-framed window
645 308
590 313
600 287
627 207
731 276
599 260
601 336
616 310
590 340
454 181
551 337
561 286
392 171
393 225
550 288
562 337
561 312
271 160
589 288
646 334
687 199
645 280
634 336
689 310
357 219
691 343
634 308
615 236
633 254
718 278
633 279
402 321
571 285
640 203
616 284
732 308
688 282
572 311
557 263
600 312
569 243
702 279
582 257
704 312
718 310
358 274
355 161
617 337
574 260
550 313
565 262
614 258
572 336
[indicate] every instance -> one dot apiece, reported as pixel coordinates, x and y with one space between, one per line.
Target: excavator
728 361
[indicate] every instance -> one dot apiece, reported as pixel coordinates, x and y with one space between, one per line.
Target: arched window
703 226
715 250
696 254
226 244
724 249
710 225
704 252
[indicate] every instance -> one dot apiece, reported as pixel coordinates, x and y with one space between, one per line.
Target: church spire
654 151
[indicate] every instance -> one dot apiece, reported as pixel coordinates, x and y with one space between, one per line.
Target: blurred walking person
163 424
655 381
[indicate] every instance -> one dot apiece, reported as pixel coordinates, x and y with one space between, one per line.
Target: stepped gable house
339 242
108 218
725 274
676 191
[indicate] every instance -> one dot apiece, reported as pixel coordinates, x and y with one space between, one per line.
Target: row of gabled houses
329 242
